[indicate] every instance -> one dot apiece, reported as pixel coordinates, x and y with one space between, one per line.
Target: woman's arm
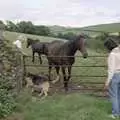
111 65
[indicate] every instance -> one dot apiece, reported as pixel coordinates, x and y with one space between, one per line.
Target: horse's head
31 41
81 45
28 42
45 48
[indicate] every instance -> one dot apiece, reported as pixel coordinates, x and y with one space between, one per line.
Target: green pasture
61 107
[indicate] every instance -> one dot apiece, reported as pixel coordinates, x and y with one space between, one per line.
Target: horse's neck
32 44
72 48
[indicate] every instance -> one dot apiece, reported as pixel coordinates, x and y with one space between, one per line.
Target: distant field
112 27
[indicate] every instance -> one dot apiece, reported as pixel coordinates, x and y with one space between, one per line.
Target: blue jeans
114 92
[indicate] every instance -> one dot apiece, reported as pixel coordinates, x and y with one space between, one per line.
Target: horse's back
57 48
54 47
39 46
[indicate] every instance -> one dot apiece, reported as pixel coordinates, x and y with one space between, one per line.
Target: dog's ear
28 74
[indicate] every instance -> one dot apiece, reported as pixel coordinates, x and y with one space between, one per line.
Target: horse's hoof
66 90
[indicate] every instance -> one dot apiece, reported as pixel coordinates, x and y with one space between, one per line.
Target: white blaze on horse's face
82 47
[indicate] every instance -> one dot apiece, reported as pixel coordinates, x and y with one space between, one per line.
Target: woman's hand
106 86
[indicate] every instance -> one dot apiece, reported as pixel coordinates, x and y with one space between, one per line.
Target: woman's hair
110 44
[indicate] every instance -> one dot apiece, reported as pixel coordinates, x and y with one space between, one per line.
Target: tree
2 25
26 27
11 26
42 30
2 28
60 35
68 35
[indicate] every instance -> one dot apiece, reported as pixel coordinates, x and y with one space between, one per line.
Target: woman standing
113 81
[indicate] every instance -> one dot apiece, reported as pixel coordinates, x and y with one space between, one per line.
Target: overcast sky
75 13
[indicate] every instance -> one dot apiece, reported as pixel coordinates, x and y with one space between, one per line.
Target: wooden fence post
24 69
19 71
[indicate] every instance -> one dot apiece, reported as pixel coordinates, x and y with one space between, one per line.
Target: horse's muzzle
85 55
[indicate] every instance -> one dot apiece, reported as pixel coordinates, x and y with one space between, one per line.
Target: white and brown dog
39 83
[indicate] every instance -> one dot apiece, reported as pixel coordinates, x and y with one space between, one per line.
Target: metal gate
92 82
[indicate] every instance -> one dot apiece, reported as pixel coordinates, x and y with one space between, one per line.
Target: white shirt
113 63
18 44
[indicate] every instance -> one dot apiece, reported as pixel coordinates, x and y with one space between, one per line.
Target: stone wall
10 65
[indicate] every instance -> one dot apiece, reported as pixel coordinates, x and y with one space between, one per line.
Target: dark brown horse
37 47
61 55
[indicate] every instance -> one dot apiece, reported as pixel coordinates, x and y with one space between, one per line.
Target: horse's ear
78 37
82 36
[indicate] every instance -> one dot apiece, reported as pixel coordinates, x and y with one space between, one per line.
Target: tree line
25 27
29 28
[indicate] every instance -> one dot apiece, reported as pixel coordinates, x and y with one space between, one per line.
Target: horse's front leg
65 79
33 56
50 68
40 58
58 75
69 72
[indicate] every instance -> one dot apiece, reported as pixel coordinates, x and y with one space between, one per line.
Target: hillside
112 27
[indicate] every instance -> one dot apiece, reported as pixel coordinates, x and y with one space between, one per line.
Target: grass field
63 107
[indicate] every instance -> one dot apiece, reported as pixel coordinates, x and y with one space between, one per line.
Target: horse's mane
77 38
33 40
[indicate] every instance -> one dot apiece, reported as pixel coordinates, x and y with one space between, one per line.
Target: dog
39 83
